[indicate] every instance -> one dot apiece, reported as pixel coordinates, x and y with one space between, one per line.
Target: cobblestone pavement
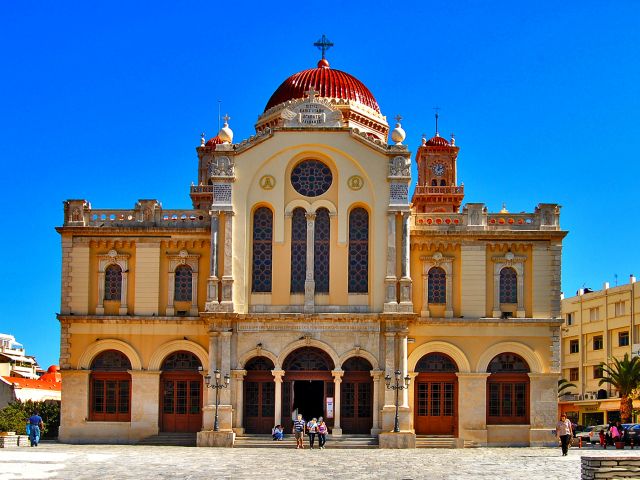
98 462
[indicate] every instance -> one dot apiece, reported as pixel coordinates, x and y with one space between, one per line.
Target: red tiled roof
213 141
31 383
437 141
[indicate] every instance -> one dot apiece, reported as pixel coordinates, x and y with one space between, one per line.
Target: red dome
327 82
437 141
214 141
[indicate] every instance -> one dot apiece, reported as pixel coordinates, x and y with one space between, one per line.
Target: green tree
624 376
563 384
13 418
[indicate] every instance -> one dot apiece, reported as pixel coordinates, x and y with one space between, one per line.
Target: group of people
615 432
313 428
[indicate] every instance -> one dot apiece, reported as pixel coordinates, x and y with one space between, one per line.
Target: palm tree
563 384
624 376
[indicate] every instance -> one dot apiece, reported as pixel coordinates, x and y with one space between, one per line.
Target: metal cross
226 118
398 118
323 44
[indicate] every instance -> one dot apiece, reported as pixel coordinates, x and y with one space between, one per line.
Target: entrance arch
356 392
436 395
181 393
306 385
259 395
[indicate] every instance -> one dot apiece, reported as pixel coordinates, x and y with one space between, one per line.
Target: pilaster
309 282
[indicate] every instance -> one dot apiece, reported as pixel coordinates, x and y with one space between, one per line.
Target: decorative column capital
310 216
337 375
277 375
377 374
238 374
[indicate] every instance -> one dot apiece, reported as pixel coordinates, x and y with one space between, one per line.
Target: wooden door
356 403
181 402
436 398
259 405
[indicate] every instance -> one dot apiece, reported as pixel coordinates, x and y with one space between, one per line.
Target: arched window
436 363
443 183
262 248
182 361
508 285
183 283
357 364
110 388
358 251
437 292
434 183
308 359
321 250
298 250
113 282
508 390
259 364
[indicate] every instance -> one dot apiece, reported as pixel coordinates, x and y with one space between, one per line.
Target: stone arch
257 352
358 352
175 345
84 363
323 203
526 352
298 203
308 343
449 349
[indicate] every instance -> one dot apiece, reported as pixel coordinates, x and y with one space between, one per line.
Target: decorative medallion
267 182
355 182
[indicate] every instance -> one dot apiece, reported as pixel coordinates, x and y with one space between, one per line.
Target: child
277 432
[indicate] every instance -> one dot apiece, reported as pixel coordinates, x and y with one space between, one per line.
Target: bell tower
437 189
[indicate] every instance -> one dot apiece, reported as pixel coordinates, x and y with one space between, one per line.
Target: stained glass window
308 359
508 363
437 292
259 364
436 363
298 250
321 251
183 283
112 282
358 251
262 248
508 285
311 178
357 364
111 361
181 361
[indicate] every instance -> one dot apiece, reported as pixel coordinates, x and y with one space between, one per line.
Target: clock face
438 169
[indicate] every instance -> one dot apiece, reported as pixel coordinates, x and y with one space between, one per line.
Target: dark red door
259 405
181 402
356 406
436 397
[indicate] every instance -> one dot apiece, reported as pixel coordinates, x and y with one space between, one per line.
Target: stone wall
610 467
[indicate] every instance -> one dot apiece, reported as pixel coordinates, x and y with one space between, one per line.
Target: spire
437 109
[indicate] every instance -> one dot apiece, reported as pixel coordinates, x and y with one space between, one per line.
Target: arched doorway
181 393
306 385
259 396
436 395
356 392
508 390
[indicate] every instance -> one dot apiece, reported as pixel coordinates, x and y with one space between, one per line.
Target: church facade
307 274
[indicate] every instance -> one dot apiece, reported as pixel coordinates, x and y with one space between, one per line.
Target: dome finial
424 139
225 133
453 140
202 142
398 134
323 44
504 208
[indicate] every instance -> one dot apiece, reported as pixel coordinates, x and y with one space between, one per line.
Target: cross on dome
226 118
323 44
398 118
312 93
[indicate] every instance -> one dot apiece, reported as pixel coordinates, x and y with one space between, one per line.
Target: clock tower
437 189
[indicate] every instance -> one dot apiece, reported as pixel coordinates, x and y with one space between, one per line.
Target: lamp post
399 385
217 385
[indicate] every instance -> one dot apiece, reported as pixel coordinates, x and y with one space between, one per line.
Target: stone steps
345 441
171 439
436 441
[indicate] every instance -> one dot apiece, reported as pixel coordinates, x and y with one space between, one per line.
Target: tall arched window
262 248
113 282
508 390
508 285
358 251
182 283
110 388
321 250
437 279
298 250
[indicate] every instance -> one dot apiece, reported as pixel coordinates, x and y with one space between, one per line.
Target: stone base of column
238 430
225 413
520 314
389 417
209 438
375 431
397 440
390 307
336 432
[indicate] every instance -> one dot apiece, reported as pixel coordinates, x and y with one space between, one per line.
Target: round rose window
311 178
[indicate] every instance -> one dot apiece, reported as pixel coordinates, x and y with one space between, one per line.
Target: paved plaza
121 462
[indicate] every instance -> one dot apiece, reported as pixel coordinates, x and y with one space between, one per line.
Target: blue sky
106 102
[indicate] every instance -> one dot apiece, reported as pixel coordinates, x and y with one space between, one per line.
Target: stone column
377 376
277 378
237 379
227 276
472 407
406 303
543 408
225 364
145 408
389 365
209 393
337 381
123 293
309 282
402 341
212 282
391 298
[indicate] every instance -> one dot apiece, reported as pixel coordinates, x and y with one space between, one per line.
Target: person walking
298 431
35 425
312 430
322 433
564 433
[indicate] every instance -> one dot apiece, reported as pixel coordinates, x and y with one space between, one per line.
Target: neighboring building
599 326
304 273
14 362
46 387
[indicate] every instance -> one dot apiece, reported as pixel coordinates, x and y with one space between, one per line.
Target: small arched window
508 285
262 250
321 257
298 250
113 282
110 387
434 183
436 363
183 283
437 290
443 183
358 251
508 390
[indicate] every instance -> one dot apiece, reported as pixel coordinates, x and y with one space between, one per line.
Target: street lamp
399 385
218 385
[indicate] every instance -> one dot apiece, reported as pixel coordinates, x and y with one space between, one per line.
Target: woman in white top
564 432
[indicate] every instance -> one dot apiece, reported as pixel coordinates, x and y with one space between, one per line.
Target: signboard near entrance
329 407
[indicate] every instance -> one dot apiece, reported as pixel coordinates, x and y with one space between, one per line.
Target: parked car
633 432
594 433
584 434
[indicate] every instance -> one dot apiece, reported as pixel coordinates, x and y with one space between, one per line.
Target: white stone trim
155 363
526 352
309 342
449 349
509 260
104 260
84 363
257 352
175 260
359 352
446 263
